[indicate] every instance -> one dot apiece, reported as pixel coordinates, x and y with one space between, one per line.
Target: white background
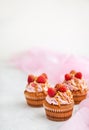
61 25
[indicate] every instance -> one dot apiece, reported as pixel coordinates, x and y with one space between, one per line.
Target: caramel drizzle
64 97
42 86
36 89
57 100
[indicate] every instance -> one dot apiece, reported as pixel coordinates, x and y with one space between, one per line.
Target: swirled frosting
37 87
76 84
60 98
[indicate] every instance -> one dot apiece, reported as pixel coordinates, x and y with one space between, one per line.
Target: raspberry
41 79
68 77
30 78
78 75
51 92
45 75
62 89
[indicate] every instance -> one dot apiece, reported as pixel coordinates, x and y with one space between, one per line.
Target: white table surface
15 114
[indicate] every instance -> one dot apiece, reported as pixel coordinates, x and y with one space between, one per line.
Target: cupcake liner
58 113
78 99
58 116
34 99
35 103
57 110
79 96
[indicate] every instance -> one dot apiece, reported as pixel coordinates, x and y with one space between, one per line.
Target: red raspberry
30 78
62 89
51 92
45 75
68 77
78 75
41 79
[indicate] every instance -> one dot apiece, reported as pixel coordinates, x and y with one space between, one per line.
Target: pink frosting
67 98
76 84
31 88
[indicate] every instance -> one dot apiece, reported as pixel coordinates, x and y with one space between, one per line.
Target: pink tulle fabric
84 103
55 64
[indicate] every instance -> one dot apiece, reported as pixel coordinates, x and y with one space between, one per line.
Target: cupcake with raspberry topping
77 85
36 89
59 103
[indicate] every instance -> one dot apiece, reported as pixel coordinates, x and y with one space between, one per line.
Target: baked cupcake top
37 83
58 95
75 81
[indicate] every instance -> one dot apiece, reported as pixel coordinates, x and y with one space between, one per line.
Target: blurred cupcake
59 103
75 82
36 89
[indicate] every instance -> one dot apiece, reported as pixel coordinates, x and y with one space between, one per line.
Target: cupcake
58 103
77 85
36 89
